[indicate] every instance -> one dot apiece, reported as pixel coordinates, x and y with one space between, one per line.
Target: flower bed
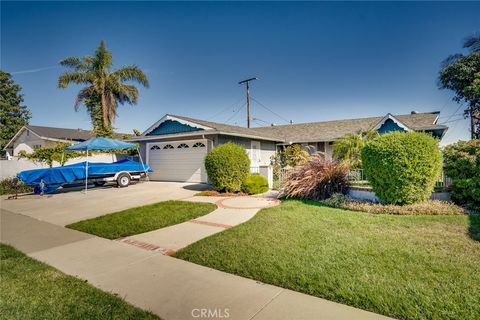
428 207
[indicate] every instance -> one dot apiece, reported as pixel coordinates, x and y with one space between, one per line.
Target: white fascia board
199 133
19 132
169 117
390 116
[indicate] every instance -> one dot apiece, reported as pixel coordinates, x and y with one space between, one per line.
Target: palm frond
132 73
82 95
74 63
74 77
103 58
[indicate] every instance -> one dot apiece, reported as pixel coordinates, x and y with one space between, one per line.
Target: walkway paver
231 212
171 288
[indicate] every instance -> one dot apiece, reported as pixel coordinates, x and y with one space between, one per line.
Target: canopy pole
86 174
143 166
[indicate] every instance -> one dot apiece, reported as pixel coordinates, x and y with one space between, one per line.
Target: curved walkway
231 211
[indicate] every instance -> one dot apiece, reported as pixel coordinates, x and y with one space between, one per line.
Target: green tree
462 164
48 155
105 88
461 74
13 115
349 148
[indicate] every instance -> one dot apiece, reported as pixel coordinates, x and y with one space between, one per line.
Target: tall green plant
105 88
349 148
462 165
13 114
461 74
402 167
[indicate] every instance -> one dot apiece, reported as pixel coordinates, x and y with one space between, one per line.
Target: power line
268 109
225 109
454 120
236 112
461 105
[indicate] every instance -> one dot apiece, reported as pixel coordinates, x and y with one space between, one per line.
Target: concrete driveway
68 207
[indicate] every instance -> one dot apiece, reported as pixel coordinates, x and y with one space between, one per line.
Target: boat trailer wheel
123 180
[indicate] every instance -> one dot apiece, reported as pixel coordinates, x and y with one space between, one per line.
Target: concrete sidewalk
171 288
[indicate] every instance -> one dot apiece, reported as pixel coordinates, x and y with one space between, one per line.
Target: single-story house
175 146
30 137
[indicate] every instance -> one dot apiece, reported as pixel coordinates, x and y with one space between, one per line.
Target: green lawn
142 219
32 290
408 267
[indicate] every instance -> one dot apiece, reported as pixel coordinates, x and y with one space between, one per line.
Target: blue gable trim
388 126
170 127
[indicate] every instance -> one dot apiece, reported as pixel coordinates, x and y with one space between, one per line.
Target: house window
155 147
182 146
198 145
168 146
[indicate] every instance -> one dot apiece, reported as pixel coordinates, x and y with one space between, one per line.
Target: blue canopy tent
98 144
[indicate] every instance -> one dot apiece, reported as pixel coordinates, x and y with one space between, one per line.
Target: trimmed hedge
402 167
255 184
228 166
462 164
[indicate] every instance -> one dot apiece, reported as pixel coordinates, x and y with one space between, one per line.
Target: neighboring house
29 138
175 146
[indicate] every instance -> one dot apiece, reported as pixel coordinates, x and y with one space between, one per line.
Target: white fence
10 168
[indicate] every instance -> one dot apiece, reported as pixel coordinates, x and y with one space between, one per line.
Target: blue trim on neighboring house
437 133
388 126
170 127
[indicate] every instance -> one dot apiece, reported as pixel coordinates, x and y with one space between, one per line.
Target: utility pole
247 82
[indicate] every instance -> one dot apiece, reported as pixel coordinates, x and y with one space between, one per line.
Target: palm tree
349 148
105 88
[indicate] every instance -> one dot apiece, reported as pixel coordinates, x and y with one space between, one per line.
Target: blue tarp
74 172
101 144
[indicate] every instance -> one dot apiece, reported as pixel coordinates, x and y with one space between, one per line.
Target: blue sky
315 61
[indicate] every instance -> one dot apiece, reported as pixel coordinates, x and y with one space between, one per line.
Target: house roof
59 134
336 129
313 131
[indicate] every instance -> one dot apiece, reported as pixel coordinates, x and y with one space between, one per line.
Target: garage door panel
177 164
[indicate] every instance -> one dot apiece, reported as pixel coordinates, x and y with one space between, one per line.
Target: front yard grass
407 267
143 219
33 290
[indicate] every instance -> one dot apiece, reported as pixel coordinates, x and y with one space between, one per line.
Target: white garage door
177 161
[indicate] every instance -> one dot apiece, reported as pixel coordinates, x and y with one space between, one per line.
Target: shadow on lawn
474 229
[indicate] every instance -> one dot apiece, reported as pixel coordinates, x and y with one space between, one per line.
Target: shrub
429 207
402 167
317 179
227 167
13 185
255 184
462 165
